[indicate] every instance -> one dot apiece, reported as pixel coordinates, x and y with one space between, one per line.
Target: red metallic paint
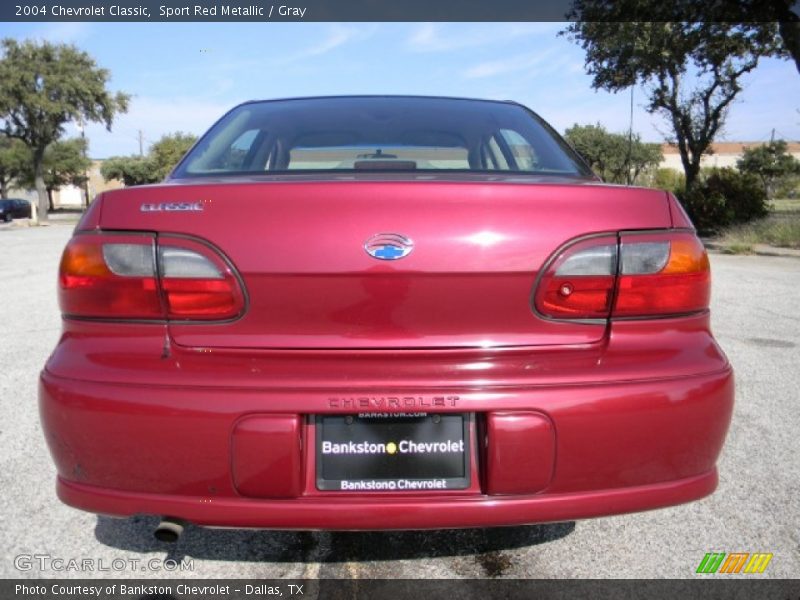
520 450
408 512
267 456
312 285
621 445
593 418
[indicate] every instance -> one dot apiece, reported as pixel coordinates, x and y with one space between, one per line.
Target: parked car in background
384 313
12 208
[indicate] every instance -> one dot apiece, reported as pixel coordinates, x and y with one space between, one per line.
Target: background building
723 154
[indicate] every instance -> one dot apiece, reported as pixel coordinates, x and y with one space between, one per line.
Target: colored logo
388 246
735 562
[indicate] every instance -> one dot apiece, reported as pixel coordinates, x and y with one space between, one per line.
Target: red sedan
384 313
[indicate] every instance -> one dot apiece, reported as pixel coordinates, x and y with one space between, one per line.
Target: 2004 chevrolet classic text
384 313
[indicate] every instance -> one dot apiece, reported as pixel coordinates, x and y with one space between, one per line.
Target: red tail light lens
639 275
109 277
579 283
197 283
675 277
138 276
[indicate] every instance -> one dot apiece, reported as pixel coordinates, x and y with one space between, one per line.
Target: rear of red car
384 313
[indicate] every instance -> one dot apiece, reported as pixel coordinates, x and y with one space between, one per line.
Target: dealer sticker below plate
393 453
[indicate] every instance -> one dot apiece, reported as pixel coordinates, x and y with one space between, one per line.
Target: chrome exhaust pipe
169 530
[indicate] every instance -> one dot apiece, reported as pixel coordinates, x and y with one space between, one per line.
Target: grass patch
785 205
773 231
737 248
781 228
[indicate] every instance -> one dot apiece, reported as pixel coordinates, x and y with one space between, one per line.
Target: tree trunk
3 189
691 171
39 215
790 34
691 154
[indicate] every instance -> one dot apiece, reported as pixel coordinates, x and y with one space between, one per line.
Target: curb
756 249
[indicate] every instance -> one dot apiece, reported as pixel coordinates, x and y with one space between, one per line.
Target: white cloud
154 117
513 64
436 37
64 32
425 37
338 35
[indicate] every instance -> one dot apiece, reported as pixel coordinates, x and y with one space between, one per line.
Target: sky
184 76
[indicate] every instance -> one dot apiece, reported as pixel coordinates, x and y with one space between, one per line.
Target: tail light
631 275
662 274
109 277
139 276
579 283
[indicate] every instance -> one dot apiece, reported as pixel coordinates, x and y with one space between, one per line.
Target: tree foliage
130 170
160 160
691 69
617 158
64 163
669 179
771 163
723 197
44 87
14 156
169 150
784 12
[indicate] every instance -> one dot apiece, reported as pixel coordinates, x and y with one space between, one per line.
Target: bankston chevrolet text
383 313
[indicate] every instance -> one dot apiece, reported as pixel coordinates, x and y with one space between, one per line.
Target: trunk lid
300 249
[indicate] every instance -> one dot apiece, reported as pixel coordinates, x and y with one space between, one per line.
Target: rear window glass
379 134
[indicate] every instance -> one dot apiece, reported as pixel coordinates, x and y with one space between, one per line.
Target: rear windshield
379 134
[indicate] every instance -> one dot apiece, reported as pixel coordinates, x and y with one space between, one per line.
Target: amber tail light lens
633 275
679 283
139 276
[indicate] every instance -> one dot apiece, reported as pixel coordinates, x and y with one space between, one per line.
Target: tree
44 87
617 158
160 160
722 197
691 67
13 158
771 163
130 170
755 11
790 33
169 150
65 163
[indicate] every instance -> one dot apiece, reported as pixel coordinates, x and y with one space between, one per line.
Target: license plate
384 452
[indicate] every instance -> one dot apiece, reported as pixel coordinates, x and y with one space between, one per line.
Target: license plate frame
415 468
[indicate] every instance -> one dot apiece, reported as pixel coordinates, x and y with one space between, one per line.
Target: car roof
378 96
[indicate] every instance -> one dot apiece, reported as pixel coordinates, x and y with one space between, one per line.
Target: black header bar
376 10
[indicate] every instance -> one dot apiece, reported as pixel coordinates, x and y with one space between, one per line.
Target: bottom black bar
710 586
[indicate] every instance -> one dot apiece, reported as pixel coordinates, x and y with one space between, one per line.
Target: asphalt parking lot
756 304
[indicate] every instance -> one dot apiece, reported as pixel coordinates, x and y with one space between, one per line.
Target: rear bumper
389 513
619 446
